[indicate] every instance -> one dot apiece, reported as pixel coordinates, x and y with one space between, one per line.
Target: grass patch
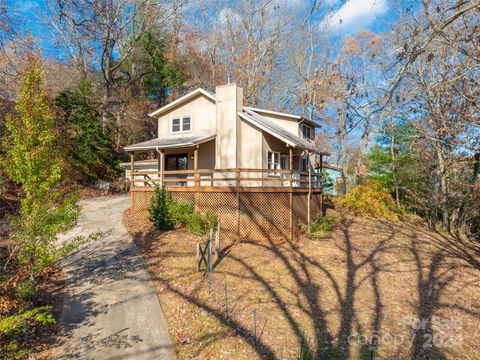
320 227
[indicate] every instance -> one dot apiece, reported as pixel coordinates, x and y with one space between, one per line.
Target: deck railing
240 177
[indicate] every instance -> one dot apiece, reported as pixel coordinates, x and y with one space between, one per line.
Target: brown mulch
413 292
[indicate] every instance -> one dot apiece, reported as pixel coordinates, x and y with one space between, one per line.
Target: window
307 132
273 160
276 161
181 124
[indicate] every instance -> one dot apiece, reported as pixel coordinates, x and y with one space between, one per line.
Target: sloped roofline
291 116
271 128
183 99
298 117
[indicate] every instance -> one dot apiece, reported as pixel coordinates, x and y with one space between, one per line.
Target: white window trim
273 173
181 117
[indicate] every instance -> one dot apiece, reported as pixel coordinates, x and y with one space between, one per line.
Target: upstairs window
307 132
181 124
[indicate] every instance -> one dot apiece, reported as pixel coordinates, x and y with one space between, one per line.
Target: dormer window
307 132
181 124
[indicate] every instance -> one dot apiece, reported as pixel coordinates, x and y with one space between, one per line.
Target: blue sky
343 17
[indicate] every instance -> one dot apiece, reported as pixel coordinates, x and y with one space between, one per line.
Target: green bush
167 214
15 326
158 209
179 213
320 226
371 198
25 290
195 224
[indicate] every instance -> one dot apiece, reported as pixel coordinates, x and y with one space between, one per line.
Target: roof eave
170 146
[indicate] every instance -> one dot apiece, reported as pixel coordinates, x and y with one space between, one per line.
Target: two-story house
205 131
253 167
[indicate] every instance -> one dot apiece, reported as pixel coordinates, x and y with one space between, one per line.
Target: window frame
311 131
279 164
181 124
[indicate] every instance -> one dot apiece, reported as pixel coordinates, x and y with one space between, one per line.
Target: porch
259 204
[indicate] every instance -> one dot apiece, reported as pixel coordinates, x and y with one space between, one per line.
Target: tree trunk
443 186
394 163
344 157
366 142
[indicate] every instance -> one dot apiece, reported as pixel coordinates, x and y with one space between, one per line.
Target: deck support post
196 177
132 168
195 166
290 165
321 183
162 166
309 199
290 160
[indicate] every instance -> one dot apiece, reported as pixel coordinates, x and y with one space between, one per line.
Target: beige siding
250 151
202 112
229 100
287 123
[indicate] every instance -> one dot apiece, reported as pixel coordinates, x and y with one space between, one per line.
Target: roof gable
277 131
185 98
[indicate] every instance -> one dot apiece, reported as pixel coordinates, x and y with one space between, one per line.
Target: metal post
226 302
309 205
255 325
217 242
209 249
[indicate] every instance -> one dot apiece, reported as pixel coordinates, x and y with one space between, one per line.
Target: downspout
160 165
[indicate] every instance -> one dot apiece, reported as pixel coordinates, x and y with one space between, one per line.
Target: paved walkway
110 309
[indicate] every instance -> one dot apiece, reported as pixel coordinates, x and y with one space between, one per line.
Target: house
211 144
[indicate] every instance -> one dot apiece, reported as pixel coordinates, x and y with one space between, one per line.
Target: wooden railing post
290 159
237 177
195 167
162 167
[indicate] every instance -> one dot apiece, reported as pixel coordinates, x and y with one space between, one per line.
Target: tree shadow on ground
428 264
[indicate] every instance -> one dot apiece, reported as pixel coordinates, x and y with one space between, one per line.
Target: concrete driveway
110 309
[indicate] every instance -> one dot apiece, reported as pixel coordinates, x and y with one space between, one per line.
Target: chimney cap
229 79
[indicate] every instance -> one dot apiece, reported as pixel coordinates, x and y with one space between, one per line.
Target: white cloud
355 14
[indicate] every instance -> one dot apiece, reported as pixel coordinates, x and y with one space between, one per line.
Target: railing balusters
240 177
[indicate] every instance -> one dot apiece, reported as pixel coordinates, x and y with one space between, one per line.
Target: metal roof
282 114
171 142
279 132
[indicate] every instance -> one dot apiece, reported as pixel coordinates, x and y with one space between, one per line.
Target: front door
177 162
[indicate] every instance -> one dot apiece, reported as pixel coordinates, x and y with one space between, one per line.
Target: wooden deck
252 204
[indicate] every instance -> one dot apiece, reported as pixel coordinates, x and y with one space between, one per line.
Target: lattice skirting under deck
247 216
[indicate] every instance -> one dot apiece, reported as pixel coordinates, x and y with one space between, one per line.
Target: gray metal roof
171 142
279 132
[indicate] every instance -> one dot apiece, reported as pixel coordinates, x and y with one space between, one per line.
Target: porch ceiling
171 142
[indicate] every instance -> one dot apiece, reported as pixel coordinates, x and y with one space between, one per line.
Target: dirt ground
395 291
